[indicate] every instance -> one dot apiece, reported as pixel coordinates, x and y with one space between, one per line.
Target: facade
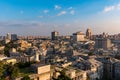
22 57
54 35
2 47
12 36
10 60
43 71
2 57
78 36
9 36
89 33
103 43
117 70
76 75
7 41
90 69
24 44
111 68
96 70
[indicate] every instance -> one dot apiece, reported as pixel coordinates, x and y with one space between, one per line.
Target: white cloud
70 8
57 7
72 12
109 8
46 11
62 13
118 6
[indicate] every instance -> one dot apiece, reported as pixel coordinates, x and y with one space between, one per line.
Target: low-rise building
10 60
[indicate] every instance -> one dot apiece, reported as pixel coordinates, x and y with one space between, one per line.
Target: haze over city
40 17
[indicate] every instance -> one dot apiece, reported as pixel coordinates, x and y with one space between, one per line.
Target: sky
40 17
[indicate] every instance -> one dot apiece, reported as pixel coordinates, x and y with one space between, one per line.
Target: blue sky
40 17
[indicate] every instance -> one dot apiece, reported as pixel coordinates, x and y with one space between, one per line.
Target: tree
62 76
90 53
23 65
12 71
9 46
1 69
26 78
1 43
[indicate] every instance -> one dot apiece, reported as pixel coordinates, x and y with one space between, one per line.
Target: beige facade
103 43
89 33
43 71
10 60
2 47
24 44
78 36
76 74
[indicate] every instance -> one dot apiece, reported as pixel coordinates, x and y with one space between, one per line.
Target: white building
78 36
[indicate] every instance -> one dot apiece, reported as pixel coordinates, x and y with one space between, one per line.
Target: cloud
46 11
72 12
62 13
57 7
70 8
109 8
118 6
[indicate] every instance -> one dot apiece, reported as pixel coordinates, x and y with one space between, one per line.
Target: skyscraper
54 35
89 33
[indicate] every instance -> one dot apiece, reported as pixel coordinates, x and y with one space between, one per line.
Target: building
2 57
12 36
91 68
42 70
8 36
24 44
89 33
10 60
2 48
6 41
96 70
111 68
103 43
117 70
78 36
76 74
54 35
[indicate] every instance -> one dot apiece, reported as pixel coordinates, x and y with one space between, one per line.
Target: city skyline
38 17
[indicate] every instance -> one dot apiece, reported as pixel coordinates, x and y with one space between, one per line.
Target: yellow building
10 60
78 36
24 44
43 71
